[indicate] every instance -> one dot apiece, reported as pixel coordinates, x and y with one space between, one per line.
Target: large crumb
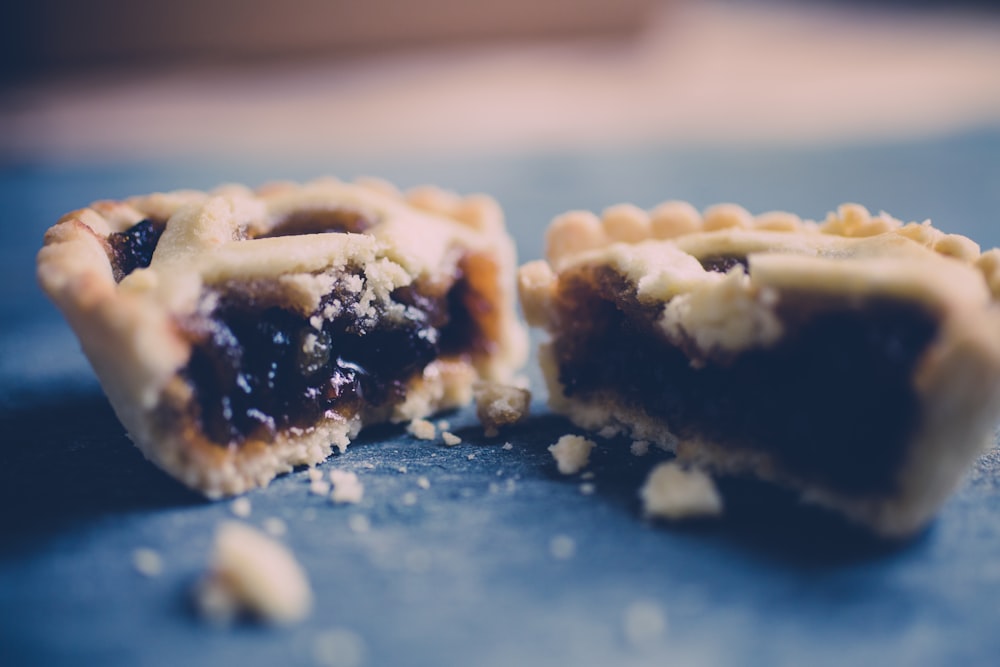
671 492
499 405
422 429
572 453
347 488
450 439
250 572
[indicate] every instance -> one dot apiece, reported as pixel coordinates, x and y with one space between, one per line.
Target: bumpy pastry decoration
856 360
239 333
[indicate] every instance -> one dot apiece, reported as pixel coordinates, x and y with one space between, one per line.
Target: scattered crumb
423 483
368 465
422 429
644 623
508 446
339 648
409 498
315 474
241 507
147 562
500 472
402 470
450 439
609 431
499 405
275 526
588 475
250 572
572 453
671 492
443 424
320 487
562 547
347 488
359 523
471 457
587 488
639 448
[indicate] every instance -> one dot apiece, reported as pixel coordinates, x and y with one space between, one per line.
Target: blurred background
547 105
118 79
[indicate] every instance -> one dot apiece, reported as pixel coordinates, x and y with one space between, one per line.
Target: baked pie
239 333
856 360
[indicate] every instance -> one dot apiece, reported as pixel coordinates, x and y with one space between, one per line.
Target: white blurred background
118 79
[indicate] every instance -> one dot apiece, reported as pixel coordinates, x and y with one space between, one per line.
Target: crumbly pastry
499 405
856 360
239 333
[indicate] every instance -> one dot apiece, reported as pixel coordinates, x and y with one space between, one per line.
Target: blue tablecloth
466 575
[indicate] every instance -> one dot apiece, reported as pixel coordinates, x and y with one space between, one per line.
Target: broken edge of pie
856 360
239 333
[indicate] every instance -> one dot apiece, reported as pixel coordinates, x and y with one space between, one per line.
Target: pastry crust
258 244
714 284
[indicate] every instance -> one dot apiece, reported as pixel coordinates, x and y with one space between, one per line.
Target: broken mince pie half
239 333
856 361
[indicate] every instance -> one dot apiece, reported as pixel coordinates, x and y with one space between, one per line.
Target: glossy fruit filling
831 402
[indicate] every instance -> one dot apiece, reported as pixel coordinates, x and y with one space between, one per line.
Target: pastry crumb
241 507
499 405
402 470
250 572
562 547
147 562
347 488
314 474
339 647
359 523
644 623
471 457
450 439
587 488
409 498
588 475
639 447
572 453
443 424
422 429
275 526
507 446
319 487
423 483
671 492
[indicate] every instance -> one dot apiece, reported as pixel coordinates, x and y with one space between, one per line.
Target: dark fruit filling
722 263
257 371
133 248
322 221
832 401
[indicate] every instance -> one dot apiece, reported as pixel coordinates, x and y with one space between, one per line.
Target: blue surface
465 575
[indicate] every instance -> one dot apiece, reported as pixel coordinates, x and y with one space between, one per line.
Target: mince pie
856 360
239 333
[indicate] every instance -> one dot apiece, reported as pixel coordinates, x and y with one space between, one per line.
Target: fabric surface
474 569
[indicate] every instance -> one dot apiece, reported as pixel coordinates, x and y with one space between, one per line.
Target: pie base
716 294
